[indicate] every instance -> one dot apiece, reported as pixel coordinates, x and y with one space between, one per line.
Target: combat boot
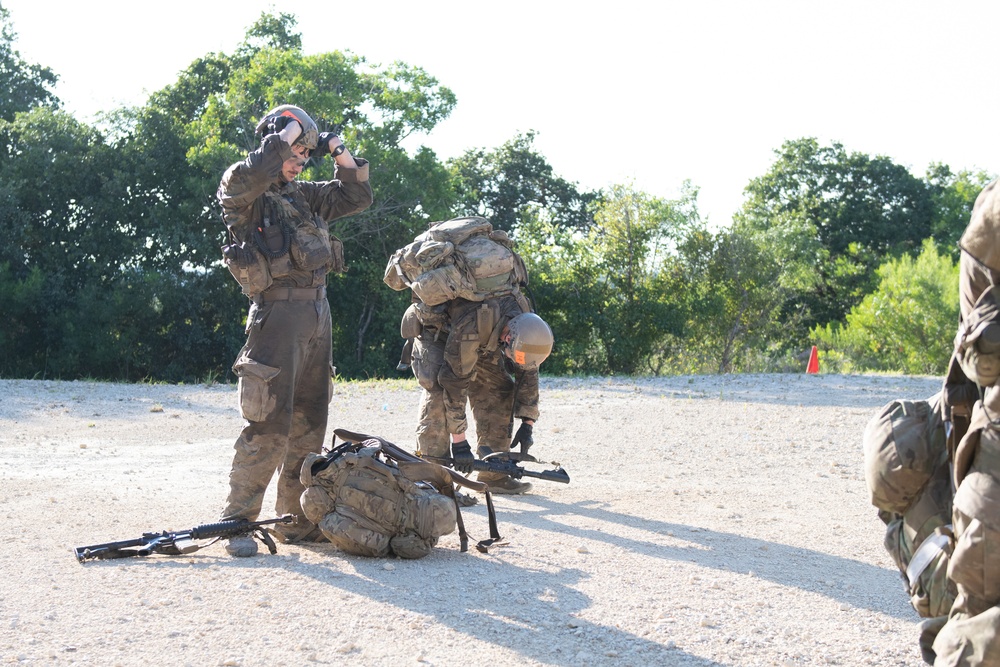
506 485
243 546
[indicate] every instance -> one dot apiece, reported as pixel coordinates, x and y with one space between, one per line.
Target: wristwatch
338 150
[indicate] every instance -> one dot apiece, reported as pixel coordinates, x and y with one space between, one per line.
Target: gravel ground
710 520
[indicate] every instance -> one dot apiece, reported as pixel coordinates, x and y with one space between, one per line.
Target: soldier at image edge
971 634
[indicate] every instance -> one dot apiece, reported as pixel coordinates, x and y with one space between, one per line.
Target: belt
291 294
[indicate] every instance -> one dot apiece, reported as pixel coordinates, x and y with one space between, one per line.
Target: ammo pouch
432 316
310 245
310 249
248 267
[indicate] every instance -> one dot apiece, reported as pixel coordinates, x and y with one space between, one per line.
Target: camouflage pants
285 371
491 397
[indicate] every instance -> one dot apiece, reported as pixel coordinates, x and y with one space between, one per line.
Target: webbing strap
927 552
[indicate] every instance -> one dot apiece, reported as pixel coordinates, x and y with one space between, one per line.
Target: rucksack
371 498
909 481
459 258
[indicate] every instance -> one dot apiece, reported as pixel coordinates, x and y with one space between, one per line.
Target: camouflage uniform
971 636
286 366
460 360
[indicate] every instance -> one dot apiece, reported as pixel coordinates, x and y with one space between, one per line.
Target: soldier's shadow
536 612
806 569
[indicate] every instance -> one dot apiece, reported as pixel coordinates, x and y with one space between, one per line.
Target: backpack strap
928 550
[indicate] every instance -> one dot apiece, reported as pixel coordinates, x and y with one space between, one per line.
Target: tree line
110 266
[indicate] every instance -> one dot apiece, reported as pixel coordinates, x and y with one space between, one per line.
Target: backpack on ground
371 498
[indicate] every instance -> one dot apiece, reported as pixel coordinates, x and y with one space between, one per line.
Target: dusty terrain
718 520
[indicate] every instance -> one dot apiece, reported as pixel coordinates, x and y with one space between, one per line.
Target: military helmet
528 340
310 132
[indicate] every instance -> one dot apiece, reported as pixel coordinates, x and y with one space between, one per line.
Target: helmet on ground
527 340
310 132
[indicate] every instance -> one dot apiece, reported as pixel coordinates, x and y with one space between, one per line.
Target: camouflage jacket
473 340
244 186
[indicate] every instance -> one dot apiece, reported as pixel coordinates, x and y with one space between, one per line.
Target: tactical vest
909 481
283 241
460 258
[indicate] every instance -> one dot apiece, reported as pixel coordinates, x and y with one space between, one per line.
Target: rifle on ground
181 542
506 463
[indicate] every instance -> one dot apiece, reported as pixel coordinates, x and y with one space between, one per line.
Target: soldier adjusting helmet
527 340
274 121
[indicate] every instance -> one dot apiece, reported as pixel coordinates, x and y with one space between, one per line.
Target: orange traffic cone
813 366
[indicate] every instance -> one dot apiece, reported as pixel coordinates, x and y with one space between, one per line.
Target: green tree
23 85
863 209
953 195
506 183
610 292
907 325
374 109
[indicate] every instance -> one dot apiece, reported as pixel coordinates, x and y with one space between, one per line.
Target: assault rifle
506 463
181 542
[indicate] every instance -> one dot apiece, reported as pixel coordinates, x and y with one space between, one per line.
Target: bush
907 325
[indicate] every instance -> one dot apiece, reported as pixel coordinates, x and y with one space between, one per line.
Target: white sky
632 90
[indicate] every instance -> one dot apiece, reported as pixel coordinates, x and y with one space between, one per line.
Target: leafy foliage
953 195
608 292
862 209
23 85
508 183
907 324
110 263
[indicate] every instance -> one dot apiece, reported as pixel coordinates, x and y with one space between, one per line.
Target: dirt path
716 520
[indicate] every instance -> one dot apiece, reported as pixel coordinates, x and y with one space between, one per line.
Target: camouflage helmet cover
310 132
529 340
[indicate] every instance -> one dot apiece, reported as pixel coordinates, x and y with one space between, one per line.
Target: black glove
323 147
272 124
461 453
523 437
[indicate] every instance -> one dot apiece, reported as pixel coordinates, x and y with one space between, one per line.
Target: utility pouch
274 241
485 321
337 252
248 267
409 326
310 247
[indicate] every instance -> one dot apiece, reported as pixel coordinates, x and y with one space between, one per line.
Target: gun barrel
508 467
556 475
